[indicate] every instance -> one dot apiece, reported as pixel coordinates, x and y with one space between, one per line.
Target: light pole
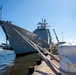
62 36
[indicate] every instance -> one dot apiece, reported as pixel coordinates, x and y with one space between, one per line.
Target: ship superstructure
43 32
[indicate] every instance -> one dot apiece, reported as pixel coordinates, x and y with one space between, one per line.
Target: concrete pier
43 68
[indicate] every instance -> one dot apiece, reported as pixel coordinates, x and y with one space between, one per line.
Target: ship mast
1 12
42 24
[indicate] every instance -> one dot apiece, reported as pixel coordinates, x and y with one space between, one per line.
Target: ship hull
16 37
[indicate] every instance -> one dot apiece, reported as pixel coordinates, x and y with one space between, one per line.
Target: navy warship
16 37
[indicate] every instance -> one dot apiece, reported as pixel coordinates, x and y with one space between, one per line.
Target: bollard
46 54
38 62
30 70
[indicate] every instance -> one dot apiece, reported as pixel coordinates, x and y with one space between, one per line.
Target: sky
60 15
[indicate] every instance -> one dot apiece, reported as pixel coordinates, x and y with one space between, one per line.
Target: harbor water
7 58
12 65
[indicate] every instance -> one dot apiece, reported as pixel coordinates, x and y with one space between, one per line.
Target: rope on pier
50 64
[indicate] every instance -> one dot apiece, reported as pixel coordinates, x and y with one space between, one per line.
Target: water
10 65
7 58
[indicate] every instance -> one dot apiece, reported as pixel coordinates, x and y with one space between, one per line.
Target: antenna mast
1 12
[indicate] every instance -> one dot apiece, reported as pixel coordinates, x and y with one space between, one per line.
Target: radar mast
43 24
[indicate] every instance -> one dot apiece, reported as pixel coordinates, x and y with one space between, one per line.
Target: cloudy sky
60 14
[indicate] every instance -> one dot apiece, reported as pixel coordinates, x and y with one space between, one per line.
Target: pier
44 69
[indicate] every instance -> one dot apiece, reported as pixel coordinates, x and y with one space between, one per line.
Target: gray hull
17 41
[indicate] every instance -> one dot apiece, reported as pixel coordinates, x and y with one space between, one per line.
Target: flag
1 7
